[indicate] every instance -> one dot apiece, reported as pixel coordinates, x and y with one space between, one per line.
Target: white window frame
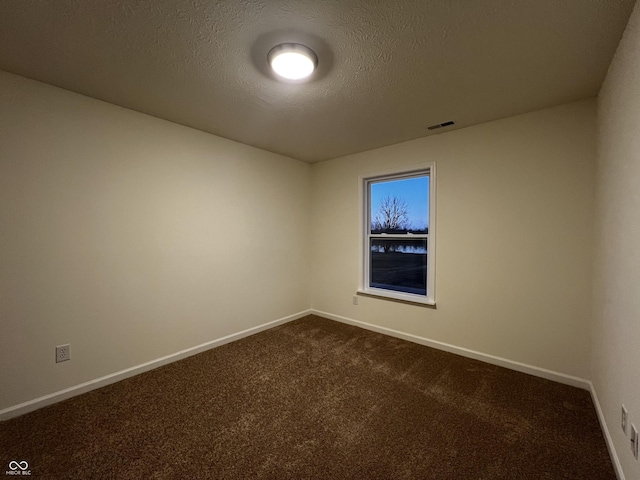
365 234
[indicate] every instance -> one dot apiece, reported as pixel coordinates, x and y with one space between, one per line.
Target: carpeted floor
316 399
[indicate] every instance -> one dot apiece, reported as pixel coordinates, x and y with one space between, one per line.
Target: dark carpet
317 399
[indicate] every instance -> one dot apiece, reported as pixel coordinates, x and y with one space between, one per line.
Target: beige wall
616 332
514 238
133 238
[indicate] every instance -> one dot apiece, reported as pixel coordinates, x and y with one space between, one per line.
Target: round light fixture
292 61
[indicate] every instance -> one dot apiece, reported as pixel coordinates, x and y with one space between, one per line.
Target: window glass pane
400 206
399 265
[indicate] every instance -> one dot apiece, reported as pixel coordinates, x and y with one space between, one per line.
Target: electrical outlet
634 440
63 353
623 421
355 299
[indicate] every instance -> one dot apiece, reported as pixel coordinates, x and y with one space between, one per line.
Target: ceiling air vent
440 125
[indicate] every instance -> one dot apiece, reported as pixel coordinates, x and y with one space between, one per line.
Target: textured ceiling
387 69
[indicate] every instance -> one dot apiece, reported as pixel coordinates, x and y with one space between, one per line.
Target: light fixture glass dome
292 61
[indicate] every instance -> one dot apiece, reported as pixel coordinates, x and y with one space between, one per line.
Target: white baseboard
501 362
607 436
55 397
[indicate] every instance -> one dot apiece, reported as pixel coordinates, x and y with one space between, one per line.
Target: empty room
325 240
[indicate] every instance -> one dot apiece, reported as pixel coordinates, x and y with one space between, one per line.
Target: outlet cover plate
63 353
623 419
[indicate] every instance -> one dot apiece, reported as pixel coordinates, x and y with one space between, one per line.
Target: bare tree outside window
392 215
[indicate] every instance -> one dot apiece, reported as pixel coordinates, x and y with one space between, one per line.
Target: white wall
133 238
616 332
514 238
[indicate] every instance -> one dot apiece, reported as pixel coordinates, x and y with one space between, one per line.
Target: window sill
396 296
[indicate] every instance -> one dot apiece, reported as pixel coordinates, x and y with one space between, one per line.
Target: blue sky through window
414 191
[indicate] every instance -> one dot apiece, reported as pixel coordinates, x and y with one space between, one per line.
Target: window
398 235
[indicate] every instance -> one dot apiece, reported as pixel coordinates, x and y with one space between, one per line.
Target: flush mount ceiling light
292 61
